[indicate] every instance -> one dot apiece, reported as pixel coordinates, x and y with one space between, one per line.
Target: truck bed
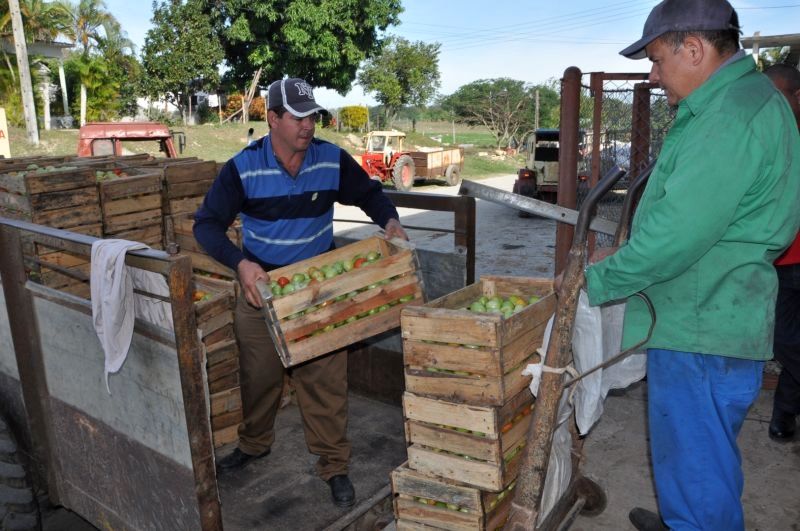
282 490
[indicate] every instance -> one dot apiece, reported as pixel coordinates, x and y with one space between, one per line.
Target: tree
181 52
354 117
404 73
505 106
323 42
90 21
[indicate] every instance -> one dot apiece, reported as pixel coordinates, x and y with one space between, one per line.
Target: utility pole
26 86
536 116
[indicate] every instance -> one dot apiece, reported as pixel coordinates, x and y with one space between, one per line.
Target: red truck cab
108 138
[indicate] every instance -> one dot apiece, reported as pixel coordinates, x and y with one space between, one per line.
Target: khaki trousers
320 386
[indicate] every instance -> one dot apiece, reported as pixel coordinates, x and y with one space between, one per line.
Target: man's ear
796 95
695 48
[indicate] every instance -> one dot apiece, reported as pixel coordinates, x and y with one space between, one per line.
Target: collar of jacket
705 95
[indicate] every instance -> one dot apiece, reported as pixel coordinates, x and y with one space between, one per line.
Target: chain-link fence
623 120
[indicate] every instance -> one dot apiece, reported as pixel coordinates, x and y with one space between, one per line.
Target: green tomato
533 299
298 278
339 267
477 307
348 265
288 288
373 256
330 272
406 298
383 308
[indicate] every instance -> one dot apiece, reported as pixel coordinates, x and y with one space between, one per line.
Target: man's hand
394 229
599 254
249 274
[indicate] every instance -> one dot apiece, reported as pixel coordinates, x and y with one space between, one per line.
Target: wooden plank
64 199
131 221
66 178
189 204
440 517
230 418
221 351
189 171
433 411
132 204
225 401
223 384
149 234
16 202
130 186
69 218
221 335
203 262
225 436
197 188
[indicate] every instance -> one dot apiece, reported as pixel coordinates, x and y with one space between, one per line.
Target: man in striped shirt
283 186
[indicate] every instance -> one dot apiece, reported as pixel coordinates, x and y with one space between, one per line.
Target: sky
528 40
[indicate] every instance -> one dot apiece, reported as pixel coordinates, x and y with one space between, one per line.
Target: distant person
786 405
719 208
284 186
250 135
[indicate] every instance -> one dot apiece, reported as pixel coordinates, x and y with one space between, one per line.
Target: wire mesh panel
623 122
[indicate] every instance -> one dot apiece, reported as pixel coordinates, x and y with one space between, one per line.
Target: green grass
220 142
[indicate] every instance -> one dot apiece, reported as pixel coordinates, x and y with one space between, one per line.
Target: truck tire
403 173
19 510
452 175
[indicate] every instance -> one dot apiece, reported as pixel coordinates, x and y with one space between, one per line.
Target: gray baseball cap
683 15
294 95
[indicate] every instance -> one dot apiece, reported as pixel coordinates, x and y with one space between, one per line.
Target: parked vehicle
385 159
106 138
539 178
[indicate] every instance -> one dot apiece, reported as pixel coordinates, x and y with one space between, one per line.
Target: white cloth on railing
114 307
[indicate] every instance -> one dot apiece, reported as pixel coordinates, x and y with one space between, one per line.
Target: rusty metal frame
178 271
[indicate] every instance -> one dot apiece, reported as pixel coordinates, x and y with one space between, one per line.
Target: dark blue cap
683 15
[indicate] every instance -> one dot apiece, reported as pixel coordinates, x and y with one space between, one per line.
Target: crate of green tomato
471 346
333 300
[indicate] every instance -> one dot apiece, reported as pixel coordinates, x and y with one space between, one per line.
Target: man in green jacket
720 207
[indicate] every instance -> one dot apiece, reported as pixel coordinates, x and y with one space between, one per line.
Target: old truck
110 138
385 159
142 456
539 178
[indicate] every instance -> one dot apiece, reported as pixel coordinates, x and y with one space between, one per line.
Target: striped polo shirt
285 219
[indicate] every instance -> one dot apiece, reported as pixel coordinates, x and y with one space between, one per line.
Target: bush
353 117
258 109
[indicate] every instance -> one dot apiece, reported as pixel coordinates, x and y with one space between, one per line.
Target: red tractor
384 159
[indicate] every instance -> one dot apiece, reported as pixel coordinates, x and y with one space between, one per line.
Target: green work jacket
721 205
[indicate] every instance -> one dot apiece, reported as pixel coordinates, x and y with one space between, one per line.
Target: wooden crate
423 501
186 184
312 322
180 232
131 207
65 198
476 358
482 433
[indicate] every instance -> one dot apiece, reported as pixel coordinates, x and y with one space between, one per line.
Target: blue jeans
696 406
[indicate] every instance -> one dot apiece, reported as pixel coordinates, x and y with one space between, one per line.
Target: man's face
792 96
671 70
295 133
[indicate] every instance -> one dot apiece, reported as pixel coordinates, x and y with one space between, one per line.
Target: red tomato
283 281
358 263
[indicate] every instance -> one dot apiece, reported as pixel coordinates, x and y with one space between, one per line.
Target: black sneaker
645 520
782 426
342 491
237 459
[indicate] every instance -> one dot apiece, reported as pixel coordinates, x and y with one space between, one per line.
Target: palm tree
91 22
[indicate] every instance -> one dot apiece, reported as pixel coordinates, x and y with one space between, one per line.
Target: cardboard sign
5 149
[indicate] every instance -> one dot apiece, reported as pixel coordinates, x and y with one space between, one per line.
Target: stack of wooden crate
214 300
186 184
130 201
60 196
467 406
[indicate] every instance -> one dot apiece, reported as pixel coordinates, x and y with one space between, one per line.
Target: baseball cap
295 95
683 15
